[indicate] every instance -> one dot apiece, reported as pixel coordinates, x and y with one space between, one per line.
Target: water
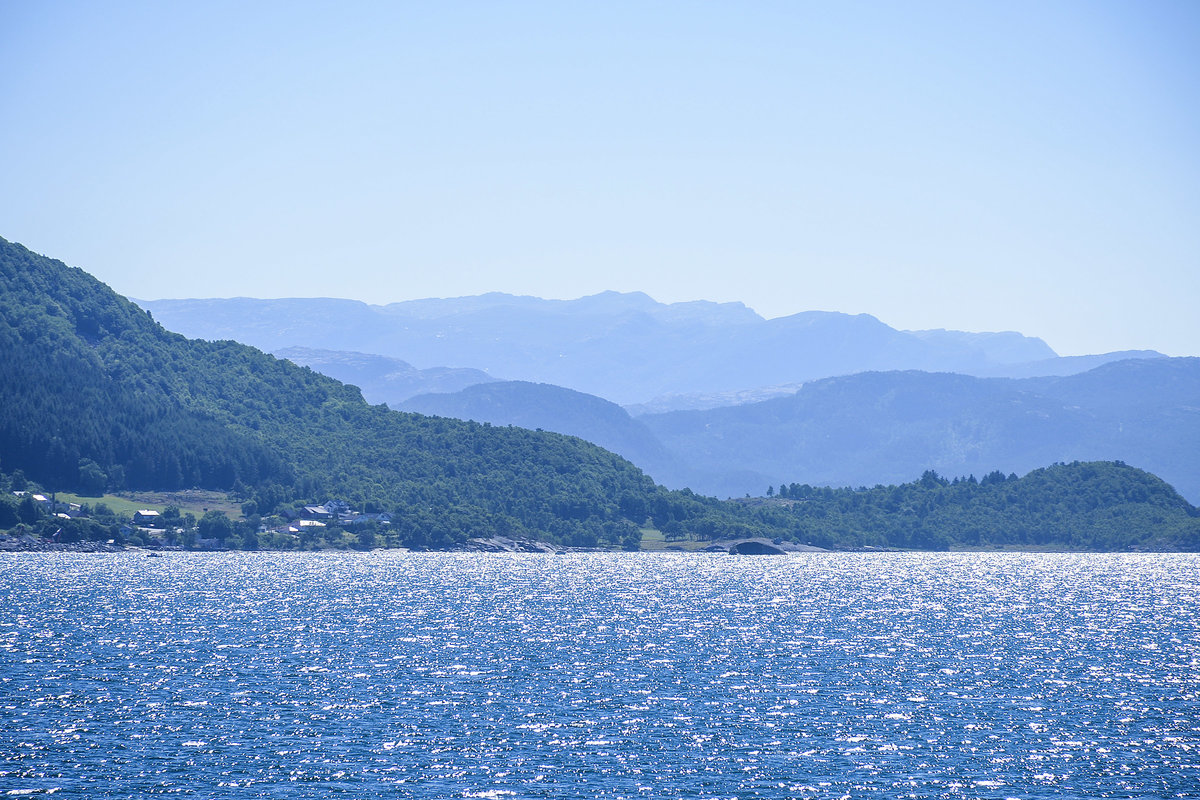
633 675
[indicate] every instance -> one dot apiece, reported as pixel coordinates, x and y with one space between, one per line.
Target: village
168 529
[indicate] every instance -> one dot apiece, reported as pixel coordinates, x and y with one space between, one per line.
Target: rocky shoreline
42 546
503 544
495 544
760 546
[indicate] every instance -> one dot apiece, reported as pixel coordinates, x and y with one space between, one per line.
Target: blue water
632 675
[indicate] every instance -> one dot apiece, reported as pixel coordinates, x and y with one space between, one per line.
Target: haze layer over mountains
626 348
722 401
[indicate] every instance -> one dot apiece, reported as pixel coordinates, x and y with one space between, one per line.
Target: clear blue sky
1029 166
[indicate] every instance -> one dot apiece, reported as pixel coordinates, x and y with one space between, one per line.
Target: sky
1014 165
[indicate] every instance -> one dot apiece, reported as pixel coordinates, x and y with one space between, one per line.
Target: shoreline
532 548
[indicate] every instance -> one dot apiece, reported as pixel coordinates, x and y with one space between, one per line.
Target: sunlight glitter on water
623 675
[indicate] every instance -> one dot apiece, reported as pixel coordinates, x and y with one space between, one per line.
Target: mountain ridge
627 348
881 427
875 427
383 379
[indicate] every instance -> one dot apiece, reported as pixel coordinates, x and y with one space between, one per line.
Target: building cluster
53 507
153 526
332 512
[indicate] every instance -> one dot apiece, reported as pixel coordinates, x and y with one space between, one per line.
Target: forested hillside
90 381
96 394
1081 506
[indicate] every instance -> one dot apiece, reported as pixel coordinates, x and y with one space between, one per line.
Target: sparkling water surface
599 675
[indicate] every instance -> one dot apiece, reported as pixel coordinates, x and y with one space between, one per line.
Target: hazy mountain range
383 379
879 427
626 348
882 427
727 403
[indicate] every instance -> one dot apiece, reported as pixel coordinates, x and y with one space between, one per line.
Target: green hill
95 392
1098 505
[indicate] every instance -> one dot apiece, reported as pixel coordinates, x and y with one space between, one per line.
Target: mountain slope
883 427
383 379
553 408
90 379
86 375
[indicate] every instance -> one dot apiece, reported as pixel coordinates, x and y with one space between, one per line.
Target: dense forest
1082 506
95 395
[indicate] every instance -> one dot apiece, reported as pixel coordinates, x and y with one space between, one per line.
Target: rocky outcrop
29 544
756 547
503 544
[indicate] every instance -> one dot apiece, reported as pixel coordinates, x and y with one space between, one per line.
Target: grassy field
194 501
653 541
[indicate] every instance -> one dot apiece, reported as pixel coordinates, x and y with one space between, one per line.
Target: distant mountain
383 379
1000 348
545 407
1058 366
626 348
700 401
873 428
879 427
1064 365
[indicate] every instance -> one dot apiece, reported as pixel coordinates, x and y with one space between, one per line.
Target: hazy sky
1029 166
